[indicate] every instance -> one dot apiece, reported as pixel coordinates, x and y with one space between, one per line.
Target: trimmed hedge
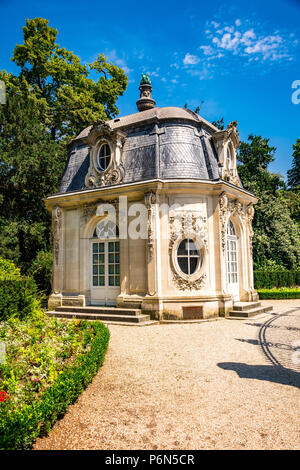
267 279
17 297
282 293
19 428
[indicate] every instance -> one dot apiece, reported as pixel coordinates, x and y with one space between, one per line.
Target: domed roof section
167 113
158 143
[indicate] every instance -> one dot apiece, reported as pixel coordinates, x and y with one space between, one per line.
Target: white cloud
207 50
190 59
239 40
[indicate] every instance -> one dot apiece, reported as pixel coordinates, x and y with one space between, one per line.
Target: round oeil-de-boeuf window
188 256
104 156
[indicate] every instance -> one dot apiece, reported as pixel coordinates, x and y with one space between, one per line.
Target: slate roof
161 143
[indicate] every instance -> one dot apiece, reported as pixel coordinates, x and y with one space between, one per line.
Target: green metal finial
145 79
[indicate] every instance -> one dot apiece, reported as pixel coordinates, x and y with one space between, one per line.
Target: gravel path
191 386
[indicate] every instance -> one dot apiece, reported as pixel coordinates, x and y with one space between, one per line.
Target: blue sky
239 58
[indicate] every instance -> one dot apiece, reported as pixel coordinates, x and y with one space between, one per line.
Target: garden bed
48 363
279 293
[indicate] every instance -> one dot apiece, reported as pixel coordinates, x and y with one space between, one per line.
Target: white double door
105 271
232 262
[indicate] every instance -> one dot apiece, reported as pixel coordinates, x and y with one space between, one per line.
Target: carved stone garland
228 207
250 215
56 231
190 225
150 199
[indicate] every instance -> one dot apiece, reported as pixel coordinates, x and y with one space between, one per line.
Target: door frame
233 288
110 293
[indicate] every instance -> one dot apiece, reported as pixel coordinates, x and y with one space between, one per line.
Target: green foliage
8 269
21 425
279 278
276 233
282 293
41 270
48 103
18 297
219 124
293 201
294 173
74 100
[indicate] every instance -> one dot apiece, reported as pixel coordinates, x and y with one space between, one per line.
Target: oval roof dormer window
104 156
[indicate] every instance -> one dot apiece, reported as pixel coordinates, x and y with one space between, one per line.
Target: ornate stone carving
56 231
250 216
225 141
99 134
223 210
193 226
231 176
114 176
150 200
89 210
227 208
184 284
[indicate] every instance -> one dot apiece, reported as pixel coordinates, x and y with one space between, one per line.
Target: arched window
188 256
106 229
229 156
104 157
232 254
230 229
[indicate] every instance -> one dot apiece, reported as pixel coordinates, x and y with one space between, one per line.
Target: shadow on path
274 374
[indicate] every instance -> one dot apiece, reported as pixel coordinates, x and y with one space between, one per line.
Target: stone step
100 310
249 313
103 317
240 306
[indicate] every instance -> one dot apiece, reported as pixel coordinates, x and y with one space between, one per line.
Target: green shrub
19 427
265 279
18 297
281 293
41 270
7 268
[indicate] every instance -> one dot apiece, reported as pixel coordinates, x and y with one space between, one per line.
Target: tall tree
293 175
276 234
49 102
56 75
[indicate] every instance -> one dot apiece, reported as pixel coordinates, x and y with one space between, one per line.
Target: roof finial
145 101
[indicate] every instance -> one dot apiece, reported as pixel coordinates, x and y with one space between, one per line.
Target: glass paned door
105 276
232 261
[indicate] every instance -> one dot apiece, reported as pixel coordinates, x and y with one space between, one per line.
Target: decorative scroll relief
226 142
108 178
227 208
184 284
150 199
187 225
57 215
99 134
250 216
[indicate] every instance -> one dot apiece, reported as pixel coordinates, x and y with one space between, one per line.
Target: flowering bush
48 364
3 396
